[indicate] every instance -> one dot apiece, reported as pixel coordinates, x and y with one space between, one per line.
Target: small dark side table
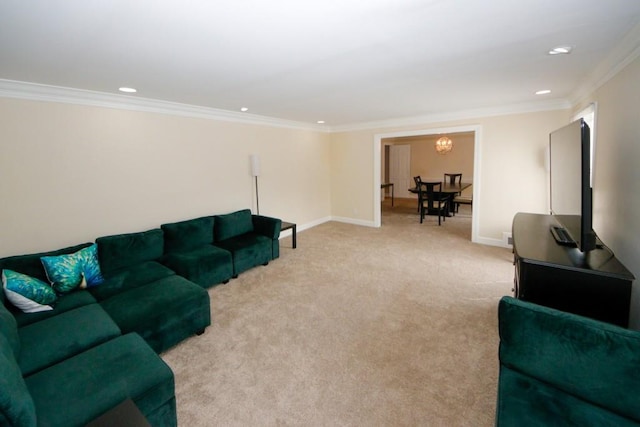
387 185
292 226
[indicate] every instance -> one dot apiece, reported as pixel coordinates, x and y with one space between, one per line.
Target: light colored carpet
358 326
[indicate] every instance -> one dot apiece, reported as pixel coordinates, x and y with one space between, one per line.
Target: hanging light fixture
444 145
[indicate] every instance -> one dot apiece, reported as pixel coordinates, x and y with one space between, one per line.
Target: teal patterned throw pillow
90 265
77 270
63 271
27 293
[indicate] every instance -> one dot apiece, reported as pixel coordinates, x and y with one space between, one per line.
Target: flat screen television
571 199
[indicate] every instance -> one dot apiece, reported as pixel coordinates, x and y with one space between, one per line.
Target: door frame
377 159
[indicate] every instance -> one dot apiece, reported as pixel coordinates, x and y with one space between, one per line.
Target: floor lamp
255 172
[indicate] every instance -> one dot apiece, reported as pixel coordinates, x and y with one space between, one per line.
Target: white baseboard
492 242
305 226
353 221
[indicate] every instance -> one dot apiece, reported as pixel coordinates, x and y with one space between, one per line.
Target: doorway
379 166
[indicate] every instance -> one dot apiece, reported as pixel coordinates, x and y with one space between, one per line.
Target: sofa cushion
248 250
233 224
163 312
64 303
129 278
125 250
16 404
188 235
206 265
27 293
58 338
124 367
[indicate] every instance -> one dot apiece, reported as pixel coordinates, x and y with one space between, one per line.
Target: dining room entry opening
405 157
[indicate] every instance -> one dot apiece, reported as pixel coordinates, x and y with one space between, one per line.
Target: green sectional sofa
561 369
86 333
68 365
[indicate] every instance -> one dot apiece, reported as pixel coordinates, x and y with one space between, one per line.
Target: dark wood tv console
594 284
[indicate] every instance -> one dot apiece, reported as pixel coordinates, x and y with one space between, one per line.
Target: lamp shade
255 165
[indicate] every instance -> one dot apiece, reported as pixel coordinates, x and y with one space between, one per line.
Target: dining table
447 187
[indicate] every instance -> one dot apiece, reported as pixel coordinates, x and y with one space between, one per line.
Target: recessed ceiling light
320 122
560 50
543 92
127 90
244 109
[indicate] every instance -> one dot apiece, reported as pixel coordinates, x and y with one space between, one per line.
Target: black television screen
570 170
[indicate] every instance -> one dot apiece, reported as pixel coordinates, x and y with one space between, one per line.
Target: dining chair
435 200
462 200
453 179
417 180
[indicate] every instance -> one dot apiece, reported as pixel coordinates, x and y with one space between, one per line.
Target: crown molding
627 51
548 105
47 93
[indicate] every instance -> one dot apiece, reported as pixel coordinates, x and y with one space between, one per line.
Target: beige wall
71 173
616 173
512 170
352 178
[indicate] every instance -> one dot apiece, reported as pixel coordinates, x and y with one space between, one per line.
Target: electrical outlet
507 239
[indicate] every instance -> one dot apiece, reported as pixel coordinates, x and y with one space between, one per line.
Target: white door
400 170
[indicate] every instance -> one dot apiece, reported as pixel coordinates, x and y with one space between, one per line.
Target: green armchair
561 369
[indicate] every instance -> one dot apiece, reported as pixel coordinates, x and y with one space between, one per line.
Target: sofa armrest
16 403
266 226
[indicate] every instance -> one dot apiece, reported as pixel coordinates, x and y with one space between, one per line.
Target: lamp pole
255 171
257 201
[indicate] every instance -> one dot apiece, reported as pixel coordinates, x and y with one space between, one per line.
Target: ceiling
341 61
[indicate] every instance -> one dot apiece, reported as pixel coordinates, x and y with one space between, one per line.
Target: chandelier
444 145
